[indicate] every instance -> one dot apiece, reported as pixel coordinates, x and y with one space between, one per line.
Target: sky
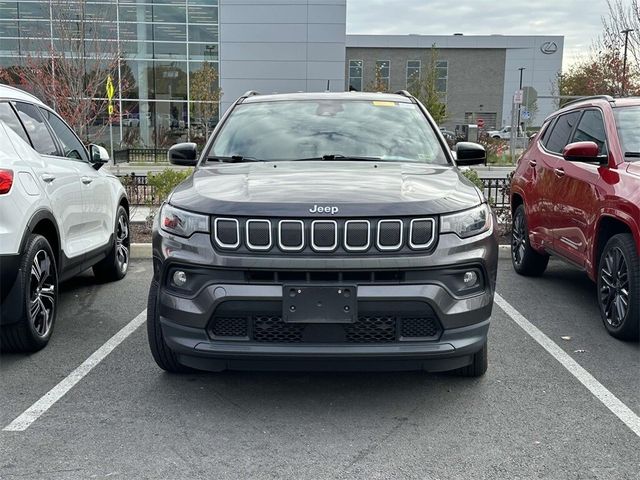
580 21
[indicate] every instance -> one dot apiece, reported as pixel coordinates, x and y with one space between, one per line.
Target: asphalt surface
527 418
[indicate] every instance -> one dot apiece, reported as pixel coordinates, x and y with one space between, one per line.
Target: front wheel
115 265
526 261
478 366
33 330
163 355
619 287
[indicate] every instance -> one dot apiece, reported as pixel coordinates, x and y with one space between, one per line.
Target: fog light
179 278
470 279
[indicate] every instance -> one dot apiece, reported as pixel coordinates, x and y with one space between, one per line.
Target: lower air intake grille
230 327
271 329
372 330
420 327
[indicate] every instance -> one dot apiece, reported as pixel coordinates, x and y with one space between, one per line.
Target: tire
162 354
39 280
526 261
478 367
114 267
618 272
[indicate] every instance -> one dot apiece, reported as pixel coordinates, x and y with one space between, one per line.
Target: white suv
59 215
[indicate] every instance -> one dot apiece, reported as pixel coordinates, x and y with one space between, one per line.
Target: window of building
442 73
413 72
383 74
355 75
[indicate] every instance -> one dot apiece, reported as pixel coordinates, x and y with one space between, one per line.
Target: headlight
468 223
182 223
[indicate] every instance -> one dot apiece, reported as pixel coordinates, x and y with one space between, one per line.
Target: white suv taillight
6 180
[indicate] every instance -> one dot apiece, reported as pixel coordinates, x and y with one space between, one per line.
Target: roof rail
608 98
250 93
404 93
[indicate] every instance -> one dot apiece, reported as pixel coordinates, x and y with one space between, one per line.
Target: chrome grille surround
335 235
220 243
421 246
364 248
248 231
284 247
386 248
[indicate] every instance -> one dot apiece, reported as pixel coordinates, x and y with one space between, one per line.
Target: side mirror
98 155
469 153
584 152
184 154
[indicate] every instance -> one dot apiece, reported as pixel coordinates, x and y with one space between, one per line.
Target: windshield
298 130
627 121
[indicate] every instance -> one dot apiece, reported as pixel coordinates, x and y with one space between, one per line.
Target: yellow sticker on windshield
382 103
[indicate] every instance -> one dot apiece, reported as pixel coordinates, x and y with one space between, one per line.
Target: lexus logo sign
549 48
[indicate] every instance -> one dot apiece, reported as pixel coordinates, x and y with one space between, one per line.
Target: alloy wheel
42 293
122 243
518 237
614 287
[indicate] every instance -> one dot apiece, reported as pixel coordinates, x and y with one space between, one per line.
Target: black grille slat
357 235
271 329
390 234
227 233
291 235
258 234
421 233
324 235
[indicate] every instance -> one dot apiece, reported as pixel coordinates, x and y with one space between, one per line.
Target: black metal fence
141 193
141 155
138 189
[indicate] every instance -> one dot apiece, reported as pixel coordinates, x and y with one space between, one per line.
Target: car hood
356 188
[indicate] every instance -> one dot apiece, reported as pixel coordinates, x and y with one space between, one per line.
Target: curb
141 250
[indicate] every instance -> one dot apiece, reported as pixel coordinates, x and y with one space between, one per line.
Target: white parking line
34 412
619 409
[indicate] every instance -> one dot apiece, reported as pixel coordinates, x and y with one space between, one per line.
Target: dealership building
280 46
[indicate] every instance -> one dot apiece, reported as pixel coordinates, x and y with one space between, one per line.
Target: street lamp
626 33
522 69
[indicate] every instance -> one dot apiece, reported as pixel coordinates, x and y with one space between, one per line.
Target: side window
547 131
561 132
73 148
36 129
8 116
591 129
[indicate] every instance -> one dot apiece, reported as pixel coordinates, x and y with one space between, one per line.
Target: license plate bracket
319 304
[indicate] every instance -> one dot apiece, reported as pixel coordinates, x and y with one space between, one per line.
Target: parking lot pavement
527 418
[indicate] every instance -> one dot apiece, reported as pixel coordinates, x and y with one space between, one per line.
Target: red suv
576 194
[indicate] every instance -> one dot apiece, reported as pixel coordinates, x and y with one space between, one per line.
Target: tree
602 70
70 73
380 83
205 95
425 88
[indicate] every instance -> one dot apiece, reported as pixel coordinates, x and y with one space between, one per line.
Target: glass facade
163 44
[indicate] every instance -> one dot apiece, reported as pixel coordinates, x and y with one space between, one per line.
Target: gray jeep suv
324 231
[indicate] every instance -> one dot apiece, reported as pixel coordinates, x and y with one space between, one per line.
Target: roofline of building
451 41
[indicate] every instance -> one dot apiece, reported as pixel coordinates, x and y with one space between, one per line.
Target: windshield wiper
233 159
632 154
340 157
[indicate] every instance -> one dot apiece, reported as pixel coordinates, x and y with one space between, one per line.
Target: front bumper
186 317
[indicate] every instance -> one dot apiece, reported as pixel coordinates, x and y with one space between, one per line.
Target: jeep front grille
325 236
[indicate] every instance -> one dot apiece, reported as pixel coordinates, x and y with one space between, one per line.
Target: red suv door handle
559 172
532 163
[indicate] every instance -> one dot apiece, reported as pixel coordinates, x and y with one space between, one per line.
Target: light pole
626 33
522 69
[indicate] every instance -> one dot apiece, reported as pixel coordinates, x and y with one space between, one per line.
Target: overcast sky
578 20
